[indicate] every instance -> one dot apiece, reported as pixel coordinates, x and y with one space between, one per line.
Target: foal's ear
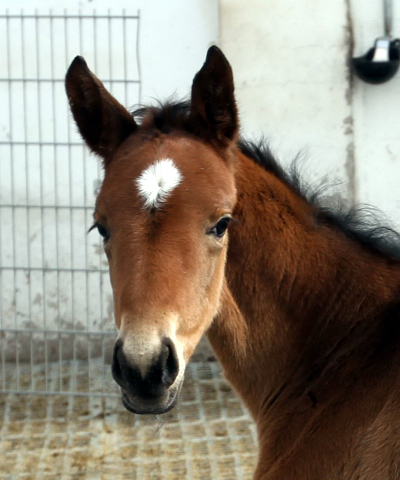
213 106
102 121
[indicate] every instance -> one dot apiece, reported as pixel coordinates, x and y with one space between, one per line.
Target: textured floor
208 436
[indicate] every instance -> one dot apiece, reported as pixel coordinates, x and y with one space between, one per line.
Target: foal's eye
219 229
102 230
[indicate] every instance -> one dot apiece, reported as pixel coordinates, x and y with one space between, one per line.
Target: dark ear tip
214 52
216 59
78 60
213 49
77 63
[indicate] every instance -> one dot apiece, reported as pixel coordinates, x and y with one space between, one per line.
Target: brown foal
301 305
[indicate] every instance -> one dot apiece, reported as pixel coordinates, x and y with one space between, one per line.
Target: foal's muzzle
147 390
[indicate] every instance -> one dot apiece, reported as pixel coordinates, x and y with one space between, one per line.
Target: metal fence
55 298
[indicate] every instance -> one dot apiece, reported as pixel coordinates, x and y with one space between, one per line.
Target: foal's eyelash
91 228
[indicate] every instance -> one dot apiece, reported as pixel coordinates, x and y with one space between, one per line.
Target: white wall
293 84
376 118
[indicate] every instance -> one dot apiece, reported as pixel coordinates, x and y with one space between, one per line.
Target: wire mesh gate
55 299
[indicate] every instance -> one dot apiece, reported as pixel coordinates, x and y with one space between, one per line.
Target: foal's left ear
213 106
102 121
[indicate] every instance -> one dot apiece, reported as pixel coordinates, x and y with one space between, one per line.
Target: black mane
362 223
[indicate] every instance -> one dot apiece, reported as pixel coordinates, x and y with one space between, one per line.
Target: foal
301 305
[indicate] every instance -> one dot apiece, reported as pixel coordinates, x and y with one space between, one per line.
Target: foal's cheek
216 274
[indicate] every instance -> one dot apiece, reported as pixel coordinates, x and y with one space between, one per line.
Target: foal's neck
299 297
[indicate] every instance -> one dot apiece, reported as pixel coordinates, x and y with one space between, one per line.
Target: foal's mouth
150 407
147 408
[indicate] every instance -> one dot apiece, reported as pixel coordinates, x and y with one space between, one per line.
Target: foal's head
163 211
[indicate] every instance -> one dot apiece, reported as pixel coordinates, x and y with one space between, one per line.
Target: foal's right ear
102 121
213 106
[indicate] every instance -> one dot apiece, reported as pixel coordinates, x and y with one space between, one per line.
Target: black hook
380 63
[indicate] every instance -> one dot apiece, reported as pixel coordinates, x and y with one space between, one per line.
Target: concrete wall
376 117
293 83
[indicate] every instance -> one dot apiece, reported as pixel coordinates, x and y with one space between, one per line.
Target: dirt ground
208 436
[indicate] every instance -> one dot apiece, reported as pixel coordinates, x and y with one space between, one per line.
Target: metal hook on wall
381 62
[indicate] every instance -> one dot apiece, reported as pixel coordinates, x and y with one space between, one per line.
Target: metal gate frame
50 279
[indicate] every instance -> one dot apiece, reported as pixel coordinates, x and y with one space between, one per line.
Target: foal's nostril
170 363
116 367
